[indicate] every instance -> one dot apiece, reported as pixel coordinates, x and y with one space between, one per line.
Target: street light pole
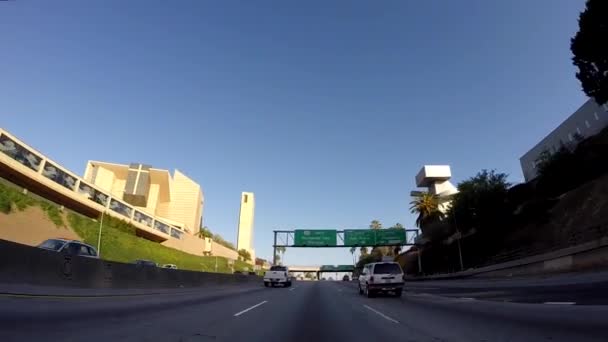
99 235
420 260
274 249
459 237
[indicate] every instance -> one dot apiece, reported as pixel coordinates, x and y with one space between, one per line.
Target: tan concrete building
162 208
246 218
177 199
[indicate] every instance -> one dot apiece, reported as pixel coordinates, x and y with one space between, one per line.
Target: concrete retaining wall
21 264
219 250
591 255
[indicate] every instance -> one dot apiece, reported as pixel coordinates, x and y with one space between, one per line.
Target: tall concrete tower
246 216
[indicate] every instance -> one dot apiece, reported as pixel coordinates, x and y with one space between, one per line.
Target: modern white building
436 179
246 219
588 120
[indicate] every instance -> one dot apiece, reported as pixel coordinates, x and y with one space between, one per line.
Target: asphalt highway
308 311
573 289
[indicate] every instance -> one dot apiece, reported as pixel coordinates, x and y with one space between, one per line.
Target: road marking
466 298
339 290
250 308
560 303
293 288
381 314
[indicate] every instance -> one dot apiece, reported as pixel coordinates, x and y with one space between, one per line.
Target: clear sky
325 110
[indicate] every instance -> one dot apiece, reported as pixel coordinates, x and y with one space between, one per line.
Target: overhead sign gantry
343 238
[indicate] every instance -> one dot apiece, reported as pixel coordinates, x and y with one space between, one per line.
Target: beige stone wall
152 204
185 201
189 244
104 179
219 250
118 187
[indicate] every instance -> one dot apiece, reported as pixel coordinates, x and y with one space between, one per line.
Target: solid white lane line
560 303
381 314
250 308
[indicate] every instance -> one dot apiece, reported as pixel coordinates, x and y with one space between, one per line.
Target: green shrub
5 204
12 195
53 213
119 224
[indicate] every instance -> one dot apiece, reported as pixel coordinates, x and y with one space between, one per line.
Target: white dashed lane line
381 314
250 308
560 303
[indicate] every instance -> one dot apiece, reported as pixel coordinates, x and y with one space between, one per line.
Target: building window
533 165
142 218
58 176
92 194
161 227
176 233
120 208
570 137
245 199
605 105
587 123
19 153
596 116
578 130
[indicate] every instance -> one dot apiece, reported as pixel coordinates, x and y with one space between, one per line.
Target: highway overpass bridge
322 269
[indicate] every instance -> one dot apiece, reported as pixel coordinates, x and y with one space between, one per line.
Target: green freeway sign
359 237
336 268
315 238
391 236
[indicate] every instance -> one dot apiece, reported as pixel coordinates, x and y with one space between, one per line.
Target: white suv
381 277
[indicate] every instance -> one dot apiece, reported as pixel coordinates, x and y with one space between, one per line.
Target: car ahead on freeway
170 266
345 278
70 247
277 275
381 277
145 263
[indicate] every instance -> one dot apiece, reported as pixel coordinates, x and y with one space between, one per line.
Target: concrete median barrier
21 264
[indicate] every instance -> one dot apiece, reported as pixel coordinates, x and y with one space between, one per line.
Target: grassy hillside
122 246
118 239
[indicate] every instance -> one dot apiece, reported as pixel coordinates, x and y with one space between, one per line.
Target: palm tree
352 251
427 207
281 250
375 224
204 233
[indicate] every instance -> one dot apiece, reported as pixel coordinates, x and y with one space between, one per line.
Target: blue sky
325 109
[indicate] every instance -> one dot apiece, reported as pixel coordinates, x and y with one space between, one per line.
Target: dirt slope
31 226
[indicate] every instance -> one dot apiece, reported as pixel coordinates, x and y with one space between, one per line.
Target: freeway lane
574 288
309 311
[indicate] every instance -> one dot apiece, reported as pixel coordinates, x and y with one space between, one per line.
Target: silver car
70 247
